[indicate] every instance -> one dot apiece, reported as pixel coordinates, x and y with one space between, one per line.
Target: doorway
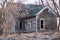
21 25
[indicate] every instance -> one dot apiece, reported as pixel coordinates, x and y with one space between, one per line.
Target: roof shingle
34 9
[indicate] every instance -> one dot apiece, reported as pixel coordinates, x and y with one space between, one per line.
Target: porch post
36 23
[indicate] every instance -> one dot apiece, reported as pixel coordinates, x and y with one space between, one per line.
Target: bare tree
9 14
39 2
4 3
42 2
56 9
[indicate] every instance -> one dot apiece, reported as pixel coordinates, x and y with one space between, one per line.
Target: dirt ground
33 36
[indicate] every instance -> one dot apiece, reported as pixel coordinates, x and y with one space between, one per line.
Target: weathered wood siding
50 20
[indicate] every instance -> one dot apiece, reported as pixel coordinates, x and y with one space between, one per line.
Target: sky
33 2
24 1
28 2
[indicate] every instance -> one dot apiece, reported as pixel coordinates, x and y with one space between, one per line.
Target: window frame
43 24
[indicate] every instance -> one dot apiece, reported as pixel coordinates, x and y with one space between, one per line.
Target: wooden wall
50 21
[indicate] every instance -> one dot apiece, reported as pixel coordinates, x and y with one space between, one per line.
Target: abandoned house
40 18
32 18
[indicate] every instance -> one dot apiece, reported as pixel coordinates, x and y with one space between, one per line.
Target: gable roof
34 10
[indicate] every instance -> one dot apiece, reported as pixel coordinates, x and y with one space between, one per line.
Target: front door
21 25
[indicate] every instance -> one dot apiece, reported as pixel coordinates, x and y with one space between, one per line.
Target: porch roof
34 9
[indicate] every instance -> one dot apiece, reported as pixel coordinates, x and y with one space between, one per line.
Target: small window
42 24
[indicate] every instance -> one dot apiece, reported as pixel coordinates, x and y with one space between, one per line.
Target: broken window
42 22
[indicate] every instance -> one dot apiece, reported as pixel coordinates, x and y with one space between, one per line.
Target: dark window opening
42 24
20 25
